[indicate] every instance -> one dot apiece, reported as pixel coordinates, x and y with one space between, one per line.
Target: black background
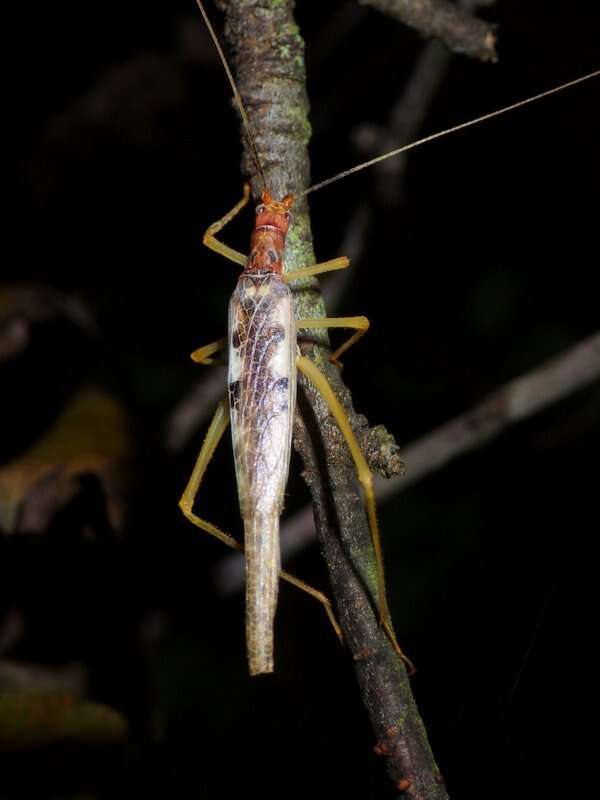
124 147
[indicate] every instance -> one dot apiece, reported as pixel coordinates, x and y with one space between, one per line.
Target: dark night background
124 147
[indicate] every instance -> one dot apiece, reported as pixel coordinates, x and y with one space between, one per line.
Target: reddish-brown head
268 237
273 213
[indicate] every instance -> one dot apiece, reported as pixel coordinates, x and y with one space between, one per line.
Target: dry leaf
90 438
38 719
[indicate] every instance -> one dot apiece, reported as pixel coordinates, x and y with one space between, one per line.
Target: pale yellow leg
365 478
317 269
215 431
214 244
360 324
203 355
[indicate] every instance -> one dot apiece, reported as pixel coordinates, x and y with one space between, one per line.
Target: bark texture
459 30
268 60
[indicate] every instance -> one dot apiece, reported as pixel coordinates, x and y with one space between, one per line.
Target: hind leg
365 477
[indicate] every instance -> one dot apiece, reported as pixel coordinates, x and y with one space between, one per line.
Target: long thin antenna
445 132
236 93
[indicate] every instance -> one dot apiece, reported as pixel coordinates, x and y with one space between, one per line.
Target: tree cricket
263 358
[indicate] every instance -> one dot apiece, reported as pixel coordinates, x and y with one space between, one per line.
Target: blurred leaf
16 676
23 304
91 437
38 719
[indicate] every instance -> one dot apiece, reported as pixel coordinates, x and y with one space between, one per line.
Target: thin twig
523 397
268 59
405 120
194 408
410 111
453 25
514 401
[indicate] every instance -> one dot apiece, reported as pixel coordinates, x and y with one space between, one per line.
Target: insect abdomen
262 393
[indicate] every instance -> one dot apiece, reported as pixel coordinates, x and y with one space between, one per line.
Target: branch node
383 453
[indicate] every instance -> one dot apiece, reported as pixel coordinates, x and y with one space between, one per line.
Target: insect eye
287 215
260 209
272 255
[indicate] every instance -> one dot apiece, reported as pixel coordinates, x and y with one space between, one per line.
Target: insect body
263 359
262 401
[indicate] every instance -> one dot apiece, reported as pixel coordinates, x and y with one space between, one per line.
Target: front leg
214 244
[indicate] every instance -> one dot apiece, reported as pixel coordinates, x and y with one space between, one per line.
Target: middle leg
317 269
359 324
204 355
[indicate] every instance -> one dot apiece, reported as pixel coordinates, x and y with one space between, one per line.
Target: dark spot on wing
234 393
247 305
276 334
281 387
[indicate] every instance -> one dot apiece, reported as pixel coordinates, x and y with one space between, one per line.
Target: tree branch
514 401
458 29
268 59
